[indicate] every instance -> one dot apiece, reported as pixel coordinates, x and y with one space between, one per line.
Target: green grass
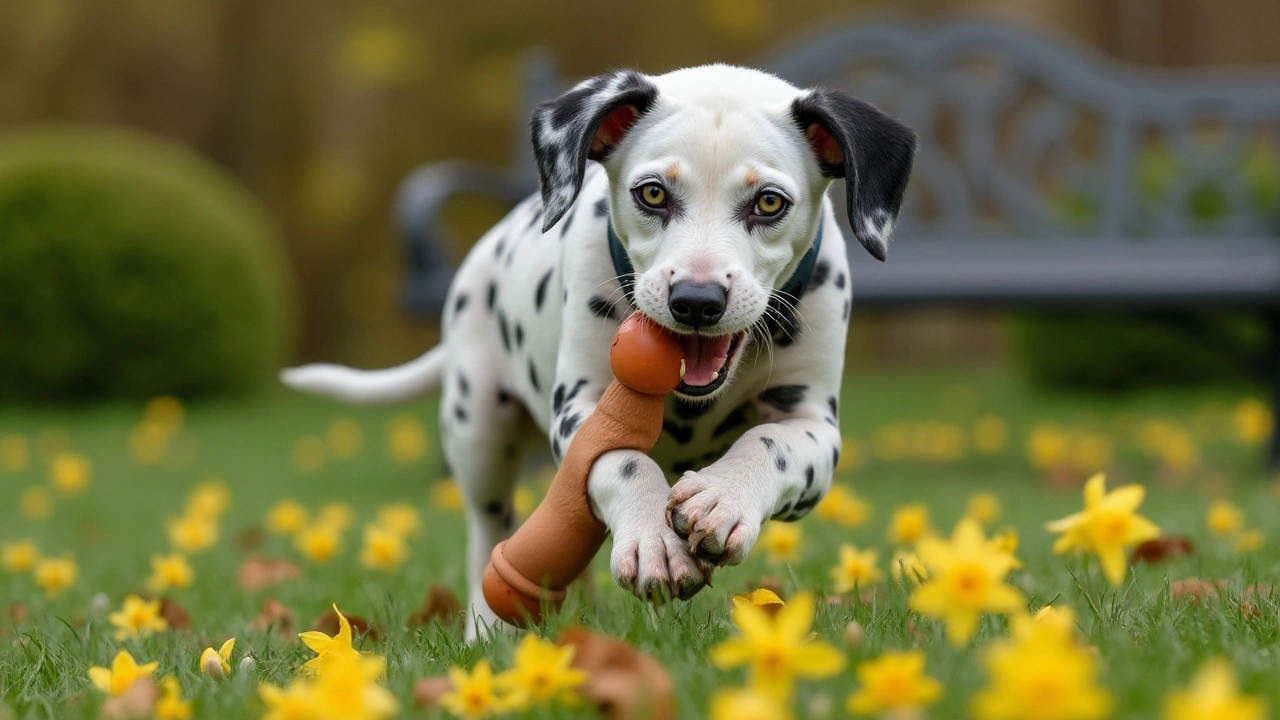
1147 642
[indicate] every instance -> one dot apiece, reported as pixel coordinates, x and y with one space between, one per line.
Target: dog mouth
706 362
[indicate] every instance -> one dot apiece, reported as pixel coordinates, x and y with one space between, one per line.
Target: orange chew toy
532 568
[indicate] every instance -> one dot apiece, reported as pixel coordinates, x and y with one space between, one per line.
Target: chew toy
531 569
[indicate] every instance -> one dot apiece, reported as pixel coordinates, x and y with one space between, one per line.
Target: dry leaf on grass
428 691
136 703
1165 547
327 623
623 683
259 573
18 612
176 615
251 538
1195 589
275 614
442 605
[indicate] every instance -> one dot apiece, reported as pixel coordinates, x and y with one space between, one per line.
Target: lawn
910 440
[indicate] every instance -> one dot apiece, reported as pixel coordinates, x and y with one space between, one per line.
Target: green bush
1124 350
130 267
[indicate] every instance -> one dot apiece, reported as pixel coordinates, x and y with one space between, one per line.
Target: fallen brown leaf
259 573
428 691
441 605
1195 589
18 613
135 703
176 615
327 623
274 614
251 538
1165 547
623 683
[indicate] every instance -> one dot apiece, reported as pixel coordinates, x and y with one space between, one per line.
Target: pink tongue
703 357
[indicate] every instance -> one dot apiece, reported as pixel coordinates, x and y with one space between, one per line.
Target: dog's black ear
870 150
585 123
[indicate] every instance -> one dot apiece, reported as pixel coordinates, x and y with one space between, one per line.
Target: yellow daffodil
19 556
541 674
763 598
318 543
856 569
15 453
164 411
748 704
406 439
446 495
400 518
906 565
122 674
1224 518
473 694
1248 541
335 515
327 648
990 434
170 571
1041 672
383 549
70 474
54 575
191 533
894 683
210 499
217 663
36 503
1252 421
780 541
345 438
983 507
966 578
1213 695
840 505
298 701
347 688
1047 446
138 618
171 706
910 524
1108 525
287 517
778 649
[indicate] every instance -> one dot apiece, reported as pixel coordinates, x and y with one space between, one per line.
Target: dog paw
656 565
717 523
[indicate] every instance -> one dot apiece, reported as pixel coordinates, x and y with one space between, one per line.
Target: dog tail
405 382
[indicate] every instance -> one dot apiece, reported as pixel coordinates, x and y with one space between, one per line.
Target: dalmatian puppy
699 199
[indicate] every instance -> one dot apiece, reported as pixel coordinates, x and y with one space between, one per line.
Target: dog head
717 180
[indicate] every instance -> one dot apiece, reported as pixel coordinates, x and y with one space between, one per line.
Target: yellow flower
984 507
124 672
966 578
446 495
54 575
287 517
345 438
1108 524
400 519
1041 672
761 598
20 556
781 542
778 649
1224 518
383 549
1006 541
36 503
406 439
855 569
170 571
327 648
473 693
348 689
217 663
541 674
15 453
1047 446
138 618
896 682
191 533
171 706
318 543
296 702
1213 695
335 515
906 564
210 499
990 433
70 474
841 505
748 704
910 523
1248 541
1252 421
525 501
308 453
165 412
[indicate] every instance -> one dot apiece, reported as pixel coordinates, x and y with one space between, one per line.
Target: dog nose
696 304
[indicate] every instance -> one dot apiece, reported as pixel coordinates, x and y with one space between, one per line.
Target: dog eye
652 194
769 204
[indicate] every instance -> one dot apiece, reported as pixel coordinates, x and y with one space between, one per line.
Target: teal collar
793 288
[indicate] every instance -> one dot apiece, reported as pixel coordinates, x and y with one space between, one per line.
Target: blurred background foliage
319 108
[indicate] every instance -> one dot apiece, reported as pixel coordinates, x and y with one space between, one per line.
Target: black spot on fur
808 476
689 409
820 273
733 420
835 456
803 507
681 433
781 462
555 449
784 397
600 307
459 303
464 387
571 105
811 436
557 400
564 224
834 405
494 507
504 397
493 295
506 335
602 207
784 512
629 469
569 423
577 388
460 413
682 467
533 376
497 249
781 323
540 295
840 281
846 309
769 443
519 335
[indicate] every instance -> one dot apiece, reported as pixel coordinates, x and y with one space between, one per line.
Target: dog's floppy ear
587 122
869 149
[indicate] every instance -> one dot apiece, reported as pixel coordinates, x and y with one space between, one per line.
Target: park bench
1046 175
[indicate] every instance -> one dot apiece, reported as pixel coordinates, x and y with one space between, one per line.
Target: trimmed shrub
130 267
